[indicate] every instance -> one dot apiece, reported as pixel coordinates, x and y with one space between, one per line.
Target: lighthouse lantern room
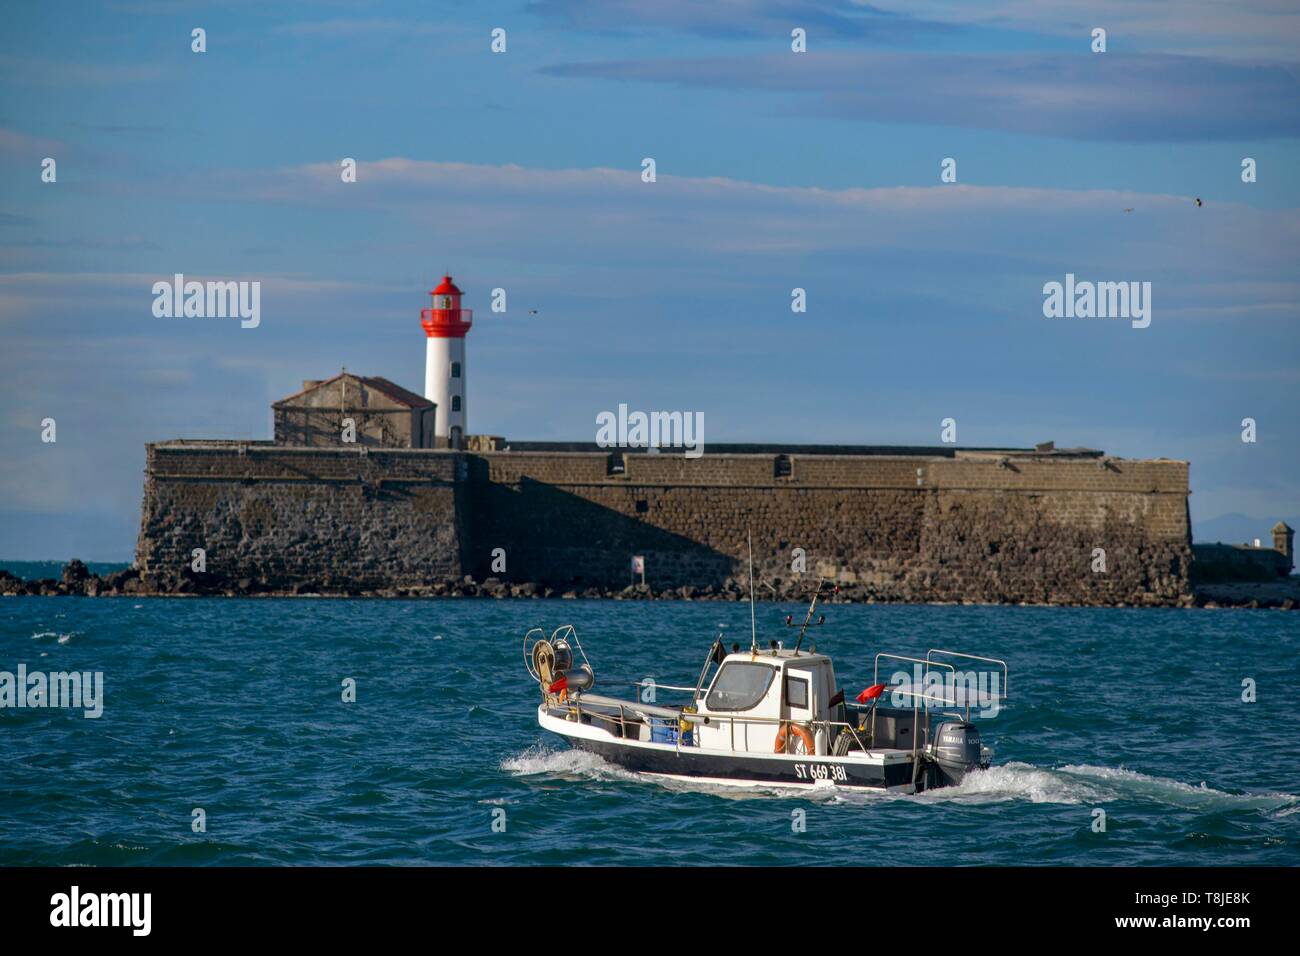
444 371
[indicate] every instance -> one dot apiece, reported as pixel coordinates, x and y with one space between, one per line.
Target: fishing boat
775 716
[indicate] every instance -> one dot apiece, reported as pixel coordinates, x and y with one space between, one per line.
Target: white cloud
509 209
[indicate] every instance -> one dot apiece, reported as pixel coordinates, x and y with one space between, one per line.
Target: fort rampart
981 526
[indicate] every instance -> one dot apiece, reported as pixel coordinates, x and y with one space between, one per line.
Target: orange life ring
803 733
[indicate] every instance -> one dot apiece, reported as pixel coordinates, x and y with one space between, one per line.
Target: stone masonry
282 518
948 526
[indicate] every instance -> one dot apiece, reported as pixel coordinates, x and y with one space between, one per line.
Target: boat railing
816 724
875 679
626 708
639 710
1002 693
918 730
651 682
930 663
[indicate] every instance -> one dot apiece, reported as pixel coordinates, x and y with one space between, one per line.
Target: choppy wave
304 779
1131 785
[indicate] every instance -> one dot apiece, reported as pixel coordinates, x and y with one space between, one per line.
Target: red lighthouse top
446 319
446 287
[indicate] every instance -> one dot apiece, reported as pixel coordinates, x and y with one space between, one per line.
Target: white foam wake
1019 781
61 638
1129 784
1088 784
542 760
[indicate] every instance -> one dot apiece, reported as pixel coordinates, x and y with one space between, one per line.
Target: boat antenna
753 628
808 620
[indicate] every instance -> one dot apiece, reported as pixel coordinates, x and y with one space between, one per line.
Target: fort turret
444 370
1284 542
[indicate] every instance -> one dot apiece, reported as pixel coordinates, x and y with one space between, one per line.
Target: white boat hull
886 770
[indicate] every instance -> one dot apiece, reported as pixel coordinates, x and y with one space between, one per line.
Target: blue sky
775 170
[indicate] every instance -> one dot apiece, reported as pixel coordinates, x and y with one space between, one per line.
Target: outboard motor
957 750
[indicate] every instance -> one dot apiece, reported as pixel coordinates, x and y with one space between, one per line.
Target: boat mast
753 628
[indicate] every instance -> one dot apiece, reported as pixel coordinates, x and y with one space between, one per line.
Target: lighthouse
444 370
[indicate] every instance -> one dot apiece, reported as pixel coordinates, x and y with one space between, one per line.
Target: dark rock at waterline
75 575
120 580
76 579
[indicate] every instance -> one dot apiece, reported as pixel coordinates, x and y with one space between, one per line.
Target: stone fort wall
319 518
981 527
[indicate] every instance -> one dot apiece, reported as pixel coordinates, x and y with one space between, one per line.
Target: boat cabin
753 692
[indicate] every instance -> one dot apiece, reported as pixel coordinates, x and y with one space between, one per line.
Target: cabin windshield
739 686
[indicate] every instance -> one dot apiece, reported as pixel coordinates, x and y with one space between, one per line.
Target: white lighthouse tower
444 369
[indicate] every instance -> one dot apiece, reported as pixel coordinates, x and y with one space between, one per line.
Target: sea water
1125 739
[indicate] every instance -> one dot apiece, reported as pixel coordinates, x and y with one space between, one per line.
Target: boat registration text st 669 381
820 771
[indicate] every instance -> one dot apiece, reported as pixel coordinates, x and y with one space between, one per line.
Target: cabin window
455 370
455 403
739 685
796 692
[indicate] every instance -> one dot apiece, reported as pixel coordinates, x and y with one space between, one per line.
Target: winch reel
550 660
